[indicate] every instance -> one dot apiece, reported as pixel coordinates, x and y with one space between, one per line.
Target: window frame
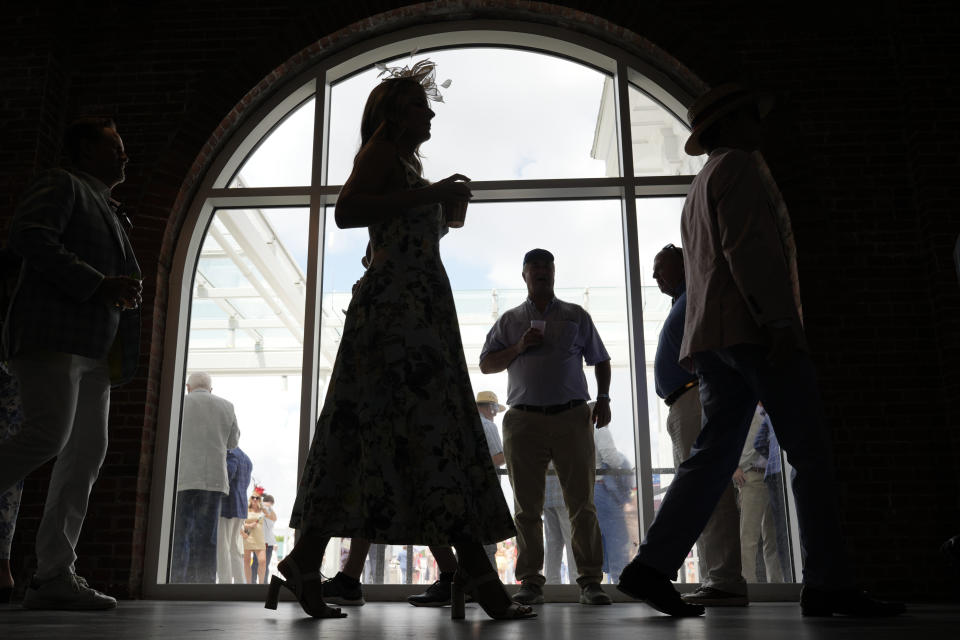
213 193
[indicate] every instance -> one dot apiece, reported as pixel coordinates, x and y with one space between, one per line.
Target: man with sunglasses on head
721 582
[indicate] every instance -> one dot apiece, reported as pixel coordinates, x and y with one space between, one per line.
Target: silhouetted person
233 511
767 445
208 430
744 338
72 331
542 344
758 530
399 453
721 582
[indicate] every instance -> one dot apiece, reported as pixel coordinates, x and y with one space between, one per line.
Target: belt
676 393
549 409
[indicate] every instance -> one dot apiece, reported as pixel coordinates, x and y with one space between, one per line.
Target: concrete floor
168 620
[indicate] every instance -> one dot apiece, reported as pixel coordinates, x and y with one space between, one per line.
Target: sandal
498 606
298 584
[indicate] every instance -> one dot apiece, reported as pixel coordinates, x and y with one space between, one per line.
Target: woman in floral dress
399 455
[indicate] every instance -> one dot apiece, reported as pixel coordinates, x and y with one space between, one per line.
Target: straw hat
489 397
715 104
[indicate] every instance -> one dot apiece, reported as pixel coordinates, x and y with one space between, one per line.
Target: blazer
69 239
208 429
738 280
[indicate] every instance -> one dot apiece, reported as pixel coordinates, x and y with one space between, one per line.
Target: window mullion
631 251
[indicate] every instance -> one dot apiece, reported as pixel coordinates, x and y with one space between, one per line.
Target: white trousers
230 552
65 400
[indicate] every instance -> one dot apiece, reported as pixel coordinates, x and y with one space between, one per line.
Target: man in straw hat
744 337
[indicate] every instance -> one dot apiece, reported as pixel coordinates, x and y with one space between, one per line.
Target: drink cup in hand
539 325
455 212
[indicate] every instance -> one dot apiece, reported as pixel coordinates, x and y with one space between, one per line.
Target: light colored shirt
552 372
268 537
607 452
493 435
208 429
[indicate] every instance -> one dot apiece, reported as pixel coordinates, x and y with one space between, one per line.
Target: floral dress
399 455
11 419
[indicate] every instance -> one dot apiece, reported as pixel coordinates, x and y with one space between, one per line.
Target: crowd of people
403 451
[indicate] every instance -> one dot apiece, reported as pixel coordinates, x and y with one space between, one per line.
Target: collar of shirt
718 150
95 183
682 289
531 305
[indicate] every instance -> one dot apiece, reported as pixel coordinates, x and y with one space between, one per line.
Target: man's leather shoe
817 601
644 583
529 593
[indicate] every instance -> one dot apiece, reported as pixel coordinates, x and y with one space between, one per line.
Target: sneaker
593 594
343 590
66 592
436 595
529 593
710 597
644 583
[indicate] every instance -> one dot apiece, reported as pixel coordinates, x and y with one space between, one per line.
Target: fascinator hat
717 103
424 72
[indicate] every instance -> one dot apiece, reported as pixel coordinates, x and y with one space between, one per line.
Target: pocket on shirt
564 335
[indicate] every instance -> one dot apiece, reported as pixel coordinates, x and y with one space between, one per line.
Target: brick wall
863 143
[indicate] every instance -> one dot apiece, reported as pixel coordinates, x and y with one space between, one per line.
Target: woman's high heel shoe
489 593
298 584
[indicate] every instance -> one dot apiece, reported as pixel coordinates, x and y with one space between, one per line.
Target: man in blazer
71 331
743 337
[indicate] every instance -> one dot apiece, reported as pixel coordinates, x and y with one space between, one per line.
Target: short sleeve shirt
551 373
493 436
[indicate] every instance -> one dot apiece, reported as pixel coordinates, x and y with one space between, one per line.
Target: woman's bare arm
374 192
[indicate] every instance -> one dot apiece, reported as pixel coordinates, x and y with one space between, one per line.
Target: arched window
571 145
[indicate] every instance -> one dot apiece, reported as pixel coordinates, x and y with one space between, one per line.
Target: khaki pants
719 545
530 441
756 524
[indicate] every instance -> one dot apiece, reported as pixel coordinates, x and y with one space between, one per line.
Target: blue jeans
732 380
775 488
613 531
194 553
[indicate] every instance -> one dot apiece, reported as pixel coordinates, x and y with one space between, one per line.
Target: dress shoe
817 601
644 583
436 595
593 594
529 593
